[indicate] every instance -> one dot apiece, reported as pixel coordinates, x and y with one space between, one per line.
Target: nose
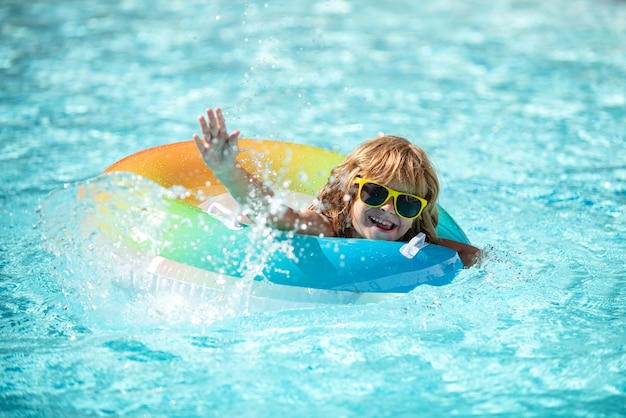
389 206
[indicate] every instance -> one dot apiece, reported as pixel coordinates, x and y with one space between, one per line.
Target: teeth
381 221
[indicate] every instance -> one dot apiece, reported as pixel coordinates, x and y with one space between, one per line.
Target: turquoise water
522 107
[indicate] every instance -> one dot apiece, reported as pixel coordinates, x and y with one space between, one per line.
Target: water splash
106 231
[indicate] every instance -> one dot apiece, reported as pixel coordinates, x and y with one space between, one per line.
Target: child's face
379 223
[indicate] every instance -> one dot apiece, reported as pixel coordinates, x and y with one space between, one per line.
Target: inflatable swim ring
210 250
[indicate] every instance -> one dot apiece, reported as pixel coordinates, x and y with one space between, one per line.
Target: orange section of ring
304 167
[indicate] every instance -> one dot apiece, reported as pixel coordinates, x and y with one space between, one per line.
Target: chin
383 236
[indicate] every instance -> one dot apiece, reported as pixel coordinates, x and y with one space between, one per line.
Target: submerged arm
469 254
219 150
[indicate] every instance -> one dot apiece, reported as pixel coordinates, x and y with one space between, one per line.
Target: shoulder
306 221
314 223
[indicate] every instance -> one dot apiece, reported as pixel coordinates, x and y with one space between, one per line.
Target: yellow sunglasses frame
392 193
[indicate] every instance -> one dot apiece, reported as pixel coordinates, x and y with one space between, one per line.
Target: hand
217 147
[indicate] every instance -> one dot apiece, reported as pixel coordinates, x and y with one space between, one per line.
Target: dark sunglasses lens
373 194
408 206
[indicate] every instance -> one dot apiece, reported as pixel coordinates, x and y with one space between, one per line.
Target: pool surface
521 106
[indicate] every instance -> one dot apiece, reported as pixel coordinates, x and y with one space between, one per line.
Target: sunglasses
408 206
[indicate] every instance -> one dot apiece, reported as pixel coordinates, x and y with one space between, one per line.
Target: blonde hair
384 160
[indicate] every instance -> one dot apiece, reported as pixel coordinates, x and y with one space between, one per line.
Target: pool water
521 106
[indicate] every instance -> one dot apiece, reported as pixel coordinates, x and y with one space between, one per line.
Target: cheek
358 217
405 225
357 210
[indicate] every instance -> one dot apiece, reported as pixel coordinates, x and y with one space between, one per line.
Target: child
386 190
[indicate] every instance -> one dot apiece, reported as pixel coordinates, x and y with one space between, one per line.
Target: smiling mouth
382 224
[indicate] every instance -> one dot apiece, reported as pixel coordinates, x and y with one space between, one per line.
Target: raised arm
219 150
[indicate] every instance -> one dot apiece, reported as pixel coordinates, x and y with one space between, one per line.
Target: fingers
199 142
204 128
220 123
233 141
209 129
215 134
234 135
216 125
213 123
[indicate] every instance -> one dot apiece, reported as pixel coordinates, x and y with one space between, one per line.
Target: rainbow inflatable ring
212 253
